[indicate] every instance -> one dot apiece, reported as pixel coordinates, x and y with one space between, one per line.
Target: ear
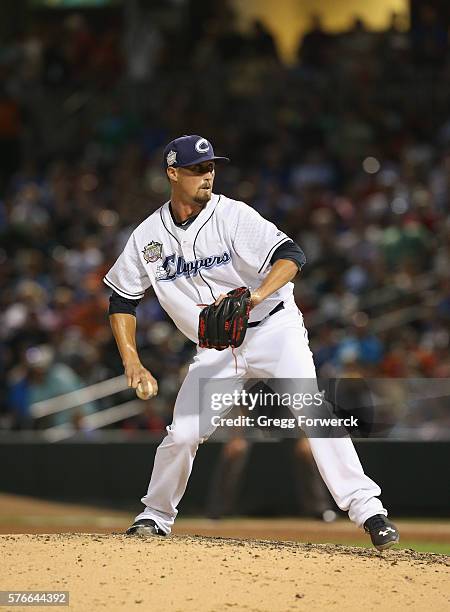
172 174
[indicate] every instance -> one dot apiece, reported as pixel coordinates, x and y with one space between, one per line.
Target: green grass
442 548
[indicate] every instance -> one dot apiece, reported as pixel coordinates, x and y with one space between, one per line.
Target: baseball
140 391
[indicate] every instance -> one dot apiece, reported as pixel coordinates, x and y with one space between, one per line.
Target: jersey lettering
173 267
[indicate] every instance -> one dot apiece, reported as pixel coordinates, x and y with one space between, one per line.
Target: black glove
223 326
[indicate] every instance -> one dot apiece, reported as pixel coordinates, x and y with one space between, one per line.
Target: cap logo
202 146
171 158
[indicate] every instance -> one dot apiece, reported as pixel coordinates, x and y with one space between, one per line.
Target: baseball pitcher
224 275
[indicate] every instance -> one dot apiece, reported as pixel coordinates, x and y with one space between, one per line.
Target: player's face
197 181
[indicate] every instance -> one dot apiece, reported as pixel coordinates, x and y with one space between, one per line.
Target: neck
183 210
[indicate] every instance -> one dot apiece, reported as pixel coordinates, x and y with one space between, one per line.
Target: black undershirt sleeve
289 250
119 304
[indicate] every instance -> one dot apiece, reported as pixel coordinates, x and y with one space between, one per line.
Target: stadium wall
116 474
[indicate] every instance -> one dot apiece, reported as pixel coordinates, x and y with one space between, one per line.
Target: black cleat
145 527
383 533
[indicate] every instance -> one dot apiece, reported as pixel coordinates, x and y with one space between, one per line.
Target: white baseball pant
277 348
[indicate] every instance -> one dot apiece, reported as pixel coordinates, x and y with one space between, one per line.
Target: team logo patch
171 158
152 252
202 145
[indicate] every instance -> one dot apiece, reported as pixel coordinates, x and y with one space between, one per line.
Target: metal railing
95 421
91 422
78 397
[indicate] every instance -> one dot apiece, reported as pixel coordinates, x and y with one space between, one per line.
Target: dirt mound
184 573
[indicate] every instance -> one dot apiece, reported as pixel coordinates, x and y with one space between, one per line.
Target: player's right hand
136 373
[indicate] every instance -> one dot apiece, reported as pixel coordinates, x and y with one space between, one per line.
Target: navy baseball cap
189 150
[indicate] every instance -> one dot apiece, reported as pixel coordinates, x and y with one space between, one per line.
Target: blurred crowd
347 150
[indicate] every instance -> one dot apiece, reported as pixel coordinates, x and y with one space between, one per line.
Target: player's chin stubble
202 197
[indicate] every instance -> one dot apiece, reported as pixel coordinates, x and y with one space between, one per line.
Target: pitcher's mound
183 573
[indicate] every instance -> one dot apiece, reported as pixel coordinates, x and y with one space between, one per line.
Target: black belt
278 307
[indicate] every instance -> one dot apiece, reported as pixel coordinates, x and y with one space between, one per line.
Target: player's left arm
282 272
286 261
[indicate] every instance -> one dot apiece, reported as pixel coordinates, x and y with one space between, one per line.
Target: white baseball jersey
228 245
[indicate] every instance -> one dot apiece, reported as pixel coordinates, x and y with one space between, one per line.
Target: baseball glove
224 326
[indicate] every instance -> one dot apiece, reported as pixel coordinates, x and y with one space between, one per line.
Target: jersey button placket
197 279
186 248
188 254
